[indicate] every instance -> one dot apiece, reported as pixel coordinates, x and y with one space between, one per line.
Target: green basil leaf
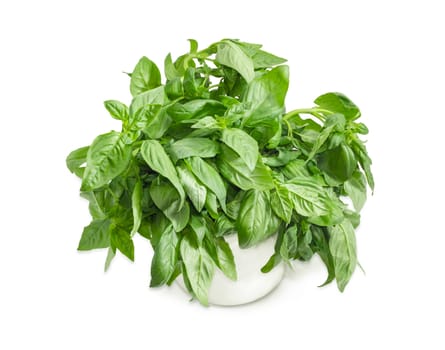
235 170
306 200
226 261
320 244
96 235
265 95
231 55
195 191
198 226
208 176
289 244
273 261
76 159
206 123
107 157
260 58
243 144
333 122
281 203
110 256
156 96
196 109
145 76
151 119
355 188
365 162
117 109
199 268
164 259
338 103
212 205
158 160
339 163
136 203
169 68
253 218
120 239
343 249
194 147
167 199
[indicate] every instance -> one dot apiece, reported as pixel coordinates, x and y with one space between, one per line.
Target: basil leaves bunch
210 152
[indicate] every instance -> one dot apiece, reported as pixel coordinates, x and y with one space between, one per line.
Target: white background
60 60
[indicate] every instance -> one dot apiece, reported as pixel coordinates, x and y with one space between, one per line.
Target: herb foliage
211 152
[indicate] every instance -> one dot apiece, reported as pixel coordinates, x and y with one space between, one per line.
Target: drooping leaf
199 267
355 188
253 218
164 259
281 203
195 191
121 240
343 249
167 199
158 160
136 203
208 176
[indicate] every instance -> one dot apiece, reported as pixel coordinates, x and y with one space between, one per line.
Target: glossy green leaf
343 249
253 218
194 147
158 160
169 68
235 170
339 163
333 122
226 261
338 103
198 226
199 267
306 200
117 109
156 96
107 157
355 188
195 191
164 259
96 235
282 203
243 144
208 176
145 76
76 159
231 55
121 240
265 95
289 244
167 199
